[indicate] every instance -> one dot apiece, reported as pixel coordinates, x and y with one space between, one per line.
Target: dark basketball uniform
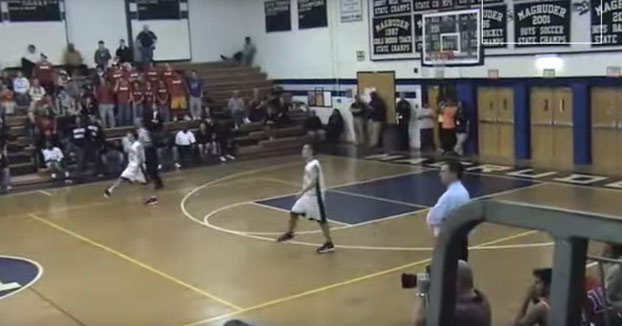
151 158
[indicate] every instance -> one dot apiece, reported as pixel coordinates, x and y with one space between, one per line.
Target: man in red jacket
44 71
105 100
178 89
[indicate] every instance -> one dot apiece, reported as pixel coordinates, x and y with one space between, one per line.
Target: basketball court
206 254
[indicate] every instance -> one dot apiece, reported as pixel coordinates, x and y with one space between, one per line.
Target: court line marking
347 282
260 235
57 307
134 261
32 282
47 193
354 194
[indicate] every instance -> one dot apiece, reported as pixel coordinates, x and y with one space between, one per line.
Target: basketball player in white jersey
310 201
135 171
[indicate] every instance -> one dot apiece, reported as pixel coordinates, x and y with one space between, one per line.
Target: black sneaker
107 193
151 201
285 237
326 248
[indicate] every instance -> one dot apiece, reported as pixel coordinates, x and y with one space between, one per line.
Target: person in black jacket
462 130
377 118
79 143
124 53
403 111
224 138
205 138
5 173
96 145
313 126
359 109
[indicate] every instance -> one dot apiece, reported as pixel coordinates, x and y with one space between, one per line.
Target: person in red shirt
138 99
44 115
153 74
44 71
150 94
162 99
105 99
123 91
130 72
168 72
178 89
115 73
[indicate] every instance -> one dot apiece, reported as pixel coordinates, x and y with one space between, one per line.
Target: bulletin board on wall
24 22
510 27
168 20
278 15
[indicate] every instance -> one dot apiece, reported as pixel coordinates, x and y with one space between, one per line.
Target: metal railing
570 230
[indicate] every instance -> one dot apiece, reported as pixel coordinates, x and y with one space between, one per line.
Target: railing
570 230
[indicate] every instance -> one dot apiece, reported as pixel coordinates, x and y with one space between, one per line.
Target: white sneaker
231 157
66 174
177 166
159 166
223 159
53 175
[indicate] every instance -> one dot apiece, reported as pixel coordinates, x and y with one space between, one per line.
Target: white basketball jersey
136 154
313 171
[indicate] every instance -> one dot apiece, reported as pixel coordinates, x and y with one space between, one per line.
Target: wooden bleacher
220 79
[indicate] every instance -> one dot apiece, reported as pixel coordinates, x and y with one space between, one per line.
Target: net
440 59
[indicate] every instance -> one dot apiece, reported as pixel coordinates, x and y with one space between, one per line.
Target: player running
311 200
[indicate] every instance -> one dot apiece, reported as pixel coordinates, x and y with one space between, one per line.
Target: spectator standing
426 118
359 109
153 74
313 126
448 127
334 128
36 93
147 41
195 89
377 119
30 59
5 173
44 72
462 130
73 61
150 95
454 197
96 144
168 72
102 56
124 54
7 101
115 73
472 307
184 140
162 100
224 138
54 160
88 103
403 111
74 87
535 307
138 102
237 109
270 122
178 89
79 143
105 101
21 86
65 111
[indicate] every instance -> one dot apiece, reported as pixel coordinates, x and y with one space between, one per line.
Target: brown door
384 84
487 124
505 124
541 105
605 117
563 129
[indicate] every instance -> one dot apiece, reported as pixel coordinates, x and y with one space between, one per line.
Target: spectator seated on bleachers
270 122
313 126
205 139
36 93
613 278
244 57
21 86
184 143
54 160
45 119
65 110
7 101
237 109
256 107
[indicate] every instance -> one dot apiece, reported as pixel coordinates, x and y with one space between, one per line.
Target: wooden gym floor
205 254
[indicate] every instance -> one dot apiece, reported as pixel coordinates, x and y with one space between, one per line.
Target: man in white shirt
184 140
21 86
454 197
53 158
